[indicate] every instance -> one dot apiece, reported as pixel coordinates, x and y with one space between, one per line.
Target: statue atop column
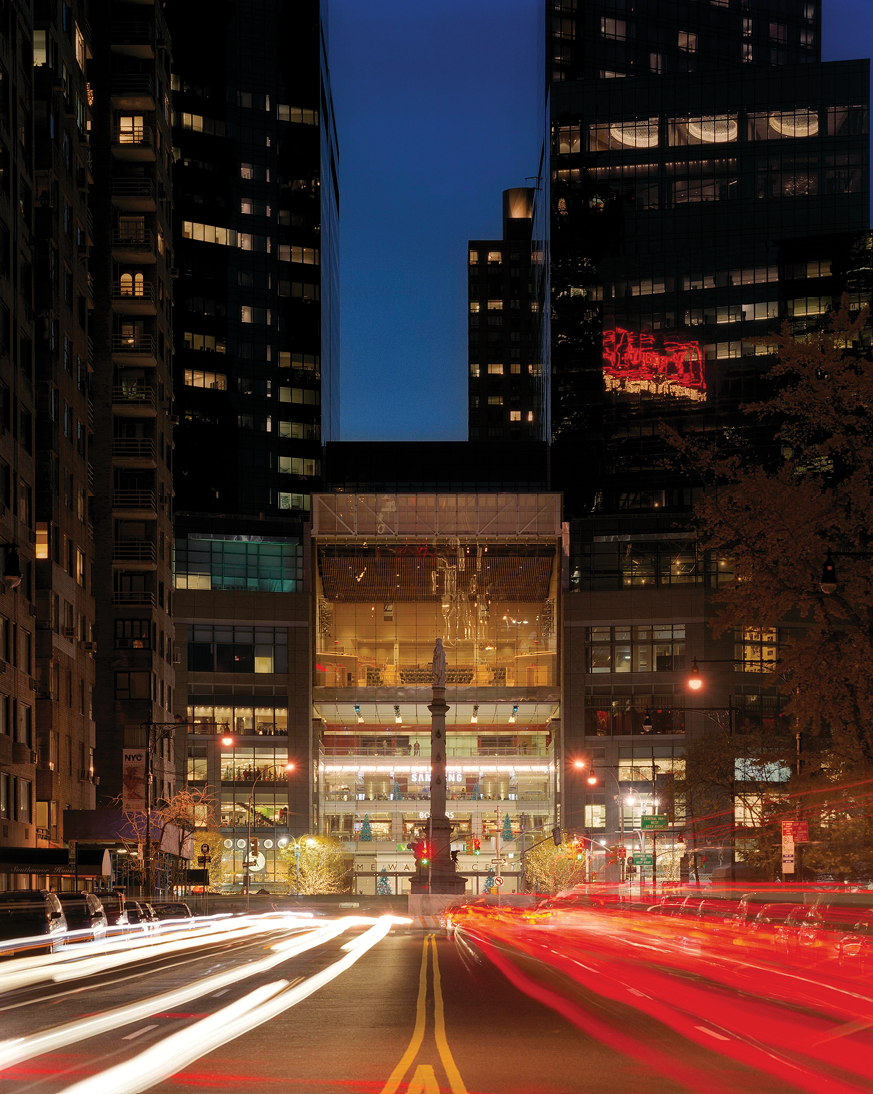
439 665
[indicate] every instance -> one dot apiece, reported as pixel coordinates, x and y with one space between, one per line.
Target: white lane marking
138 1032
712 1033
171 1054
218 994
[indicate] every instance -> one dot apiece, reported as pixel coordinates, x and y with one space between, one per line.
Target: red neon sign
650 361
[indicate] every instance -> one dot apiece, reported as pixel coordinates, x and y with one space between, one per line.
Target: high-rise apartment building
506 384
64 483
18 256
132 264
256 388
709 178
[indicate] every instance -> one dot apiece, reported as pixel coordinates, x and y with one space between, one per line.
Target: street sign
788 861
499 861
795 832
499 881
204 859
71 853
204 848
659 820
639 860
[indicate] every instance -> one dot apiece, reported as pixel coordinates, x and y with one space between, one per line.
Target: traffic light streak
424 1080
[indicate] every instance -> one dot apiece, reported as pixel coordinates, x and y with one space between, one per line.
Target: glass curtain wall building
392 572
709 178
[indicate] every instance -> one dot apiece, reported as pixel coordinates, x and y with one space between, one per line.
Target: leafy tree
549 869
777 513
324 867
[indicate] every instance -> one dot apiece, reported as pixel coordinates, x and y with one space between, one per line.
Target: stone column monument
440 878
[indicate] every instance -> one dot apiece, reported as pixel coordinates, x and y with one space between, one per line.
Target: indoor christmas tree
506 835
489 880
366 830
382 886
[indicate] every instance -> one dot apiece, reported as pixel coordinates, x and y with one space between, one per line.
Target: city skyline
403 363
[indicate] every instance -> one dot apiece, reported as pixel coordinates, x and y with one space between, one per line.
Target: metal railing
134 448
141 345
134 551
132 87
132 34
135 395
133 136
135 499
138 239
133 188
137 293
141 597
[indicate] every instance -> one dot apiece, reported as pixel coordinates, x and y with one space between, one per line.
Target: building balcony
133 144
134 401
135 504
134 452
134 195
132 93
132 350
134 245
133 299
134 555
132 598
133 40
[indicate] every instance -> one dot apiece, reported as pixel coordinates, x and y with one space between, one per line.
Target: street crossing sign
658 820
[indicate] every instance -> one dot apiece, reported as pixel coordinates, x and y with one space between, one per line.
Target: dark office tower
18 770
132 262
695 203
63 301
609 39
505 379
256 227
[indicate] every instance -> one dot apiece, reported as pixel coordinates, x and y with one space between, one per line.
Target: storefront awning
91 861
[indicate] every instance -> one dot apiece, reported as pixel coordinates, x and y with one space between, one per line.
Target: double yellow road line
424 1080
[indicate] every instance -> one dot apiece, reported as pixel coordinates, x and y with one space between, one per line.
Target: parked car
85 915
32 914
173 911
141 916
855 947
114 904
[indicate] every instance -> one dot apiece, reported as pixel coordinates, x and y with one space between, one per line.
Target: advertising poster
133 780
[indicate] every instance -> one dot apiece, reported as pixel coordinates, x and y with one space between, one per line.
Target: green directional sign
640 860
660 820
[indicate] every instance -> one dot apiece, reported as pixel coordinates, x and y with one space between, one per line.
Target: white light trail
167 1057
24 1048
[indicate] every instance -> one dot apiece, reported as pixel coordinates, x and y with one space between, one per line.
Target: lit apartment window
474 258
613 28
495 369
42 540
688 41
495 258
495 400
747 28
515 415
530 416
495 305
474 306
80 48
474 368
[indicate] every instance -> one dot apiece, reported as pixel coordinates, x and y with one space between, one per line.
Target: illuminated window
207 342
530 415
609 74
758 650
783 124
809 11
474 306
623 135
613 28
294 501
495 305
495 258
299 465
302 362
705 129
197 123
640 649
495 400
131 129
515 368
810 305
80 48
595 816
215 381
42 540
515 415
474 368
747 27
495 369
474 258
748 52
297 114
657 62
568 139
688 41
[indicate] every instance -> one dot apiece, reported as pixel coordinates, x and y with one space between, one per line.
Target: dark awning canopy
91 861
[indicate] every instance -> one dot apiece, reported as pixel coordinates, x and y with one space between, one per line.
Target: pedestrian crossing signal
477 846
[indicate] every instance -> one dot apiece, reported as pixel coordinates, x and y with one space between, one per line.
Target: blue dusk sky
438 110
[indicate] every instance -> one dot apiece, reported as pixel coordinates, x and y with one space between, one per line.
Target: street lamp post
593 781
228 742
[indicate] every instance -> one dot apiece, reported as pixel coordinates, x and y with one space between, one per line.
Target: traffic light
468 845
557 835
423 852
477 846
580 851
